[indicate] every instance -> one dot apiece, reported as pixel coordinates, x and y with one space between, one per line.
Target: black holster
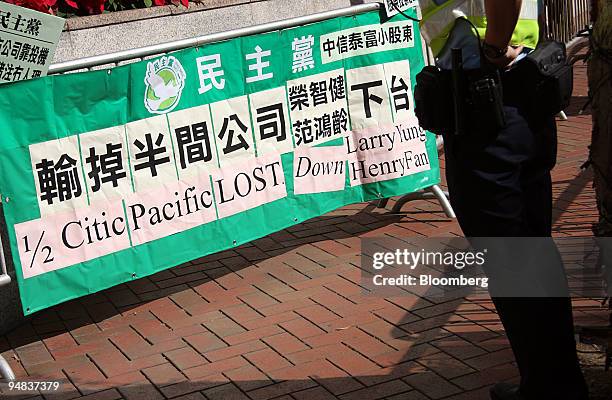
433 100
480 94
542 83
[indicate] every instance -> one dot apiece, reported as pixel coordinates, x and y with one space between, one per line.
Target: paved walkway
283 317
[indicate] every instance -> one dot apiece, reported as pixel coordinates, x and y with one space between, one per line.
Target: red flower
93 6
46 6
88 6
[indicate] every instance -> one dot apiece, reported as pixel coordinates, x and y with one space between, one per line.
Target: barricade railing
5 369
122 57
5 278
563 19
111 60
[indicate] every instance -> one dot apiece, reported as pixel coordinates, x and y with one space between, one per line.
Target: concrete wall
94 35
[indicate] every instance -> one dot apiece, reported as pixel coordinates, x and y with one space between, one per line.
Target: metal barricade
111 60
5 278
432 192
563 19
114 59
5 369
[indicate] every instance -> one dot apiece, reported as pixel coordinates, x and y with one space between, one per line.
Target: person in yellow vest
600 88
500 185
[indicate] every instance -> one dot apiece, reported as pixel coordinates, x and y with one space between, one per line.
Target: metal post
5 370
5 278
442 197
432 192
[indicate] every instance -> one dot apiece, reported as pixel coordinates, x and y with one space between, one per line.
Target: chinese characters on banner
182 169
27 42
318 107
366 40
393 7
204 166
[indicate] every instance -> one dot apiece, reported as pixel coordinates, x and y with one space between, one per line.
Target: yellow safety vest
438 21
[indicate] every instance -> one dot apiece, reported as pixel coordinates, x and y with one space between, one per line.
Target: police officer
500 185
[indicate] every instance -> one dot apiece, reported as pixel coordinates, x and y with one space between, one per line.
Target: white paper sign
392 6
28 40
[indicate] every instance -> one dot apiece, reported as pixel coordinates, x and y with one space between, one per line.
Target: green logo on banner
164 82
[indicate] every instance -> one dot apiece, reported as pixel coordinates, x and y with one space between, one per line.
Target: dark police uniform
500 186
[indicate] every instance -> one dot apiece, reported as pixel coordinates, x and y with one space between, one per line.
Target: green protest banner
112 175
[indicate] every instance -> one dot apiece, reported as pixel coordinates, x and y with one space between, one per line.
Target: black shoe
506 391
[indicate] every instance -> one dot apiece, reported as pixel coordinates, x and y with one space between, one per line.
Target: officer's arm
502 17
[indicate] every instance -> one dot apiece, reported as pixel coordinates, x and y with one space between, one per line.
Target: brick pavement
283 317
